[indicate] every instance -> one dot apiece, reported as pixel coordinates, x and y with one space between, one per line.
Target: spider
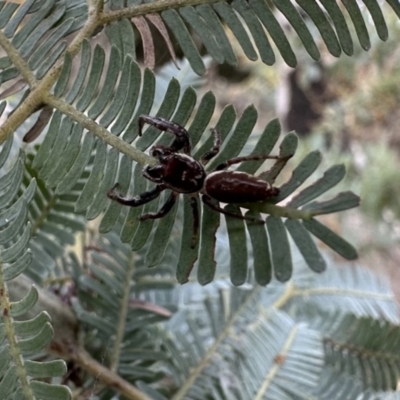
181 173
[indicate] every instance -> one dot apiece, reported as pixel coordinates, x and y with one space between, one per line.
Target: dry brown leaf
147 40
157 21
154 308
14 88
40 124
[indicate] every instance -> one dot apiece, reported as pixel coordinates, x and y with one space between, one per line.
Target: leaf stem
108 17
278 211
40 89
99 131
83 359
5 307
124 305
96 17
188 384
17 60
276 367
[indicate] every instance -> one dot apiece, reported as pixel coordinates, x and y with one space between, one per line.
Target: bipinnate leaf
115 93
28 336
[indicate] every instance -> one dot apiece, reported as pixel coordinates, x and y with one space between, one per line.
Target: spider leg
164 210
215 149
275 170
207 200
136 200
238 160
181 135
195 210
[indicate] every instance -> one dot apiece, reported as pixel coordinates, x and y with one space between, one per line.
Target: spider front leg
207 200
181 135
135 201
195 211
214 150
238 160
164 210
269 175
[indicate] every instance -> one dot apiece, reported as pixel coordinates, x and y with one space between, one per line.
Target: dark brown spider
181 173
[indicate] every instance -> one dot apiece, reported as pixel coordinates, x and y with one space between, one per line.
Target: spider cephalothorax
181 173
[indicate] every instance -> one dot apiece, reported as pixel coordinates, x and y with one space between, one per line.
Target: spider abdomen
237 187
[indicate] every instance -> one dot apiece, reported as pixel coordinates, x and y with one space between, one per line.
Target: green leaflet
264 48
110 81
330 178
359 24
234 23
334 241
166 110
237 139
294 18
94 79
264 145
299 175
261 254
306 245
237 246
207 265
35 333
274 29
340 25
208 14
187 254
200 26
161 237
280 249
323 25
178 28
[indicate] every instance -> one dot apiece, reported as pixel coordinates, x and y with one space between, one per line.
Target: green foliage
22 339
222 342
319 336
105 168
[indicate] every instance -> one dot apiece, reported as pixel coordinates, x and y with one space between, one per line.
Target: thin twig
99 131
17 60
83 359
